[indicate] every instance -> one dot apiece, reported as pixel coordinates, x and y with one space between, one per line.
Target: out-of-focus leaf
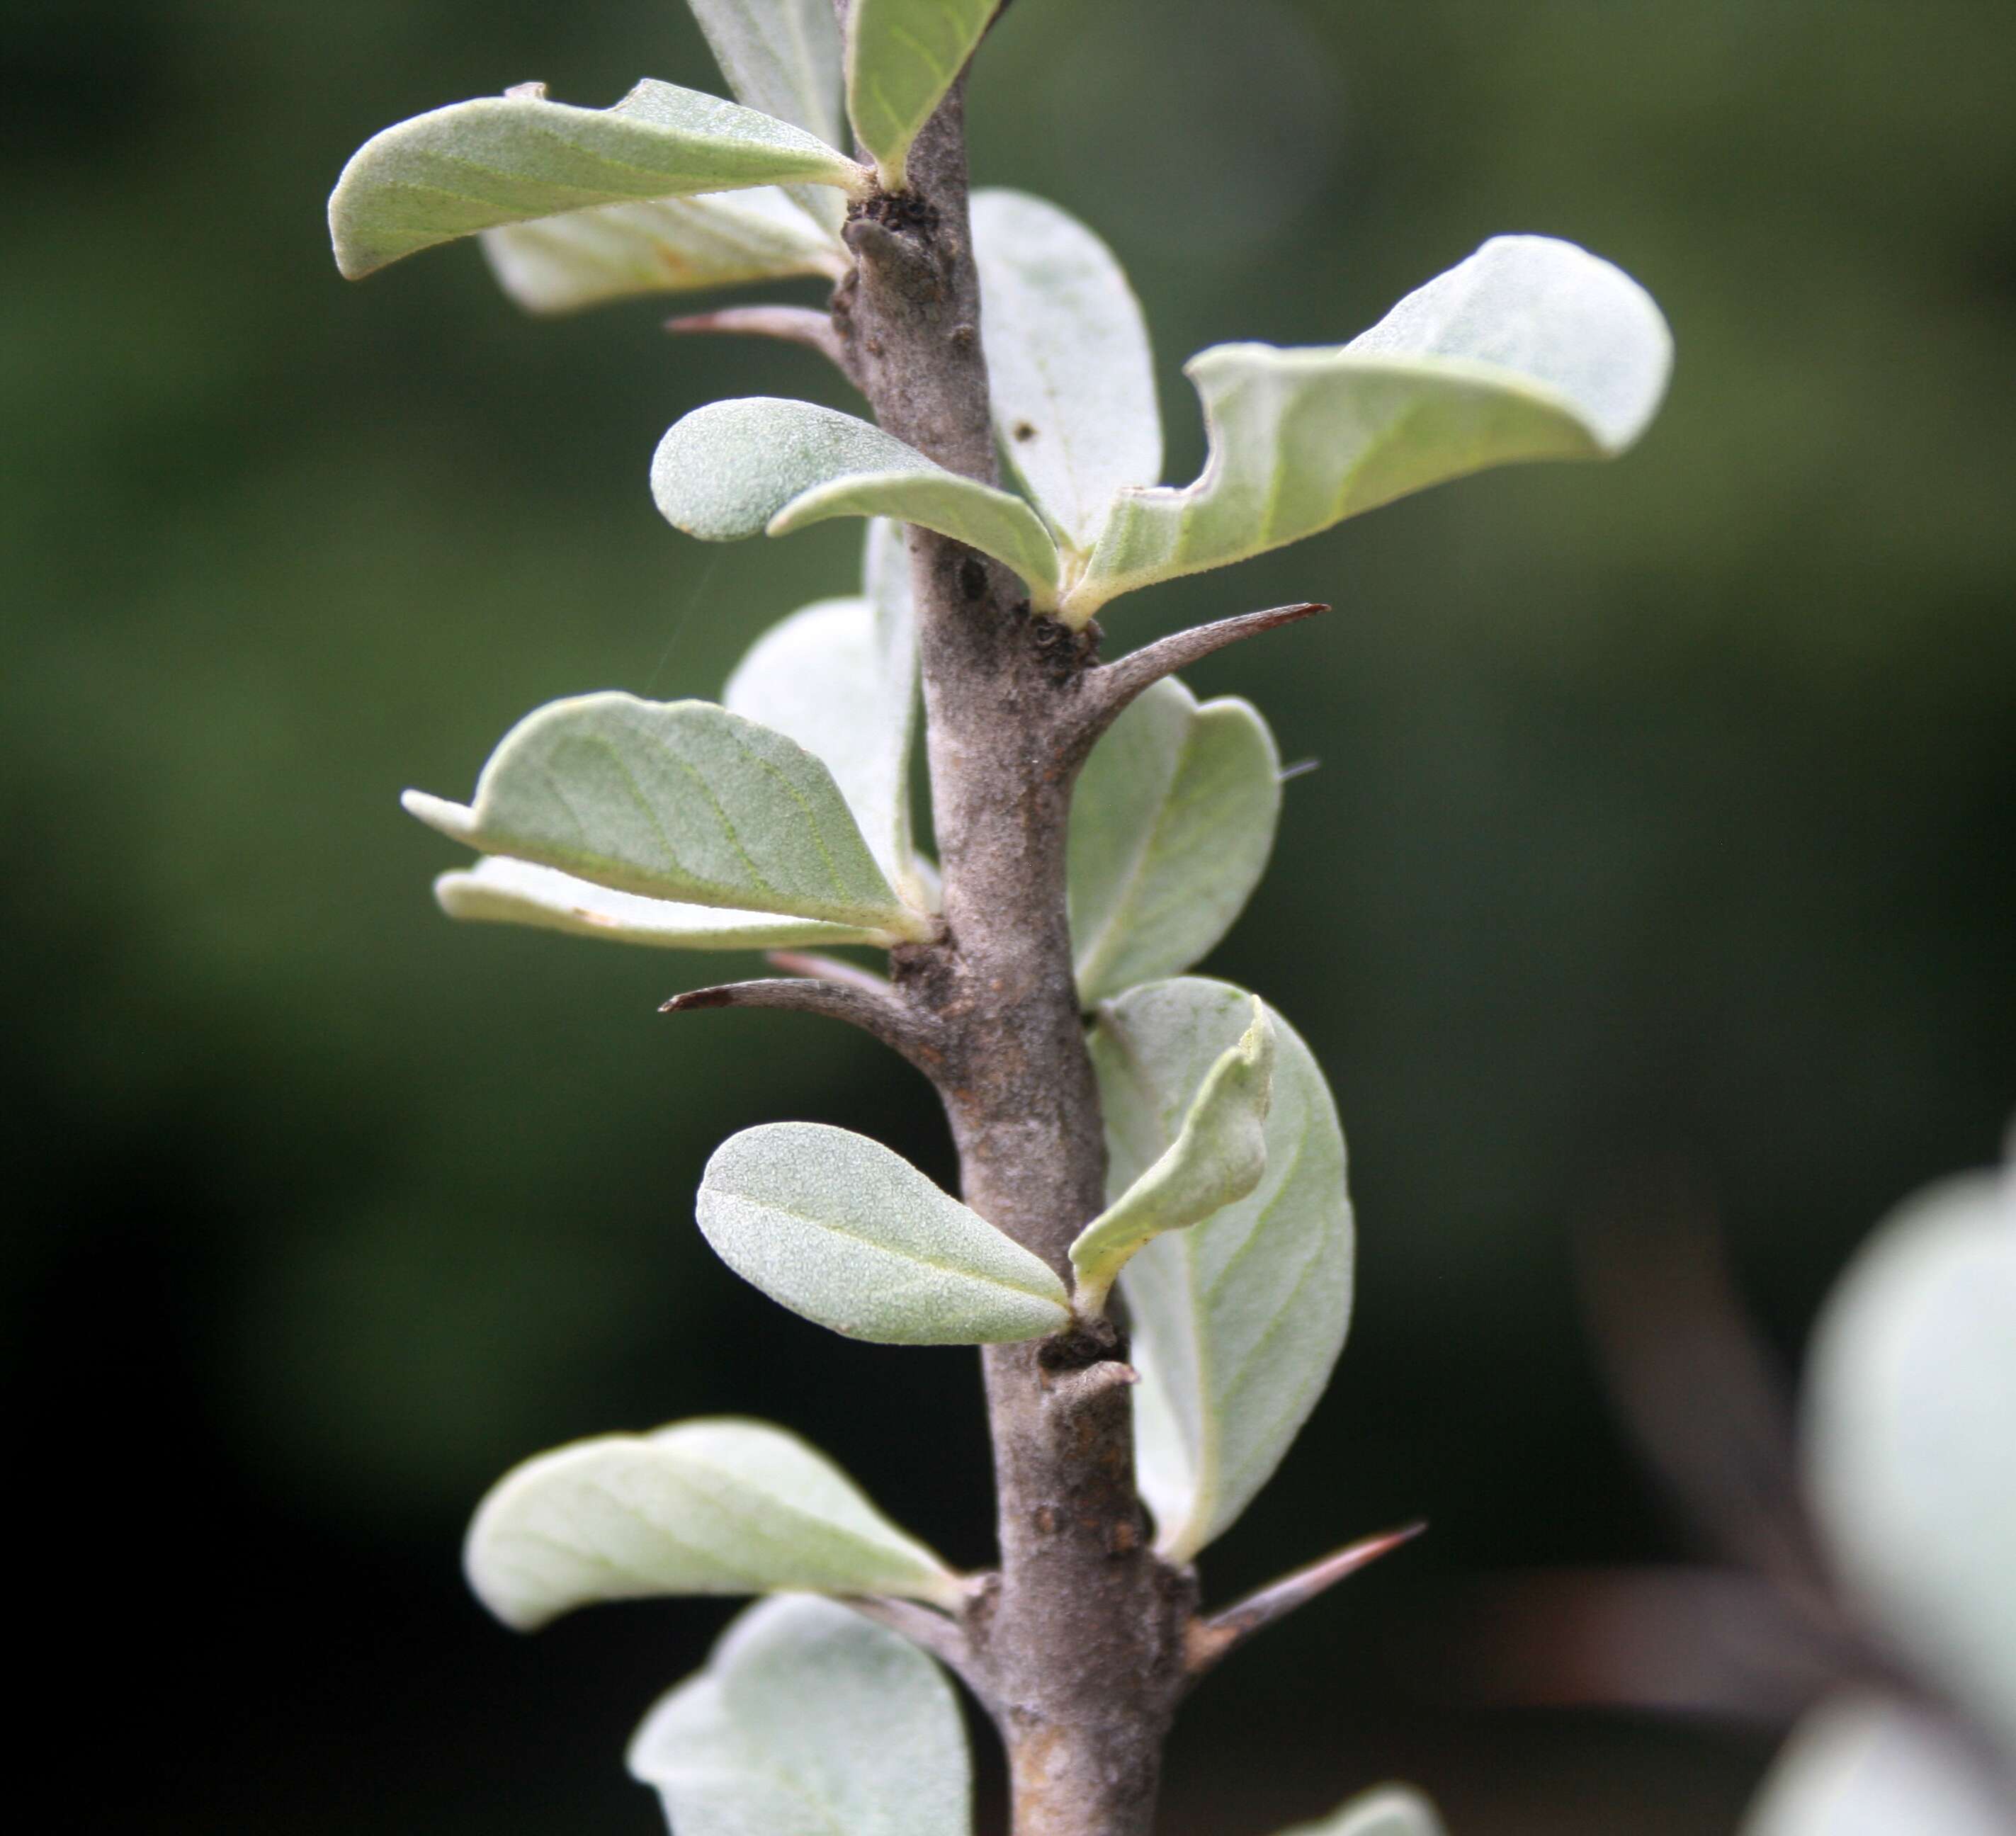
500 890
1068 360
783 56
1859 1765
763 465
675 799
506 159
902 56
838 1228
711 1506
1220 1156
841 677
808 1720
1171 825
1238 1320
1531 349
1389 1810
1911 1437
667 246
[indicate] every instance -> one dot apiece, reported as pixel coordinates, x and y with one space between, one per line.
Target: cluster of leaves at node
779 817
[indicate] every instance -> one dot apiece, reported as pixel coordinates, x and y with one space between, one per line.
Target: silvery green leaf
1859 1765
675 799
507 159
808 1720
761 465
902 56
710 1507
841 677
835 1227
782 56
1171 825
500 890
1068 360
1218 1156
1531 349
665 245
1390 1810
1237 1321
1911 1406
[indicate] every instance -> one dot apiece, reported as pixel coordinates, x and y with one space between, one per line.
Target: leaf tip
457 821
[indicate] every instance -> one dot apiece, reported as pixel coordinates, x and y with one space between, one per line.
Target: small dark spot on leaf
1023 430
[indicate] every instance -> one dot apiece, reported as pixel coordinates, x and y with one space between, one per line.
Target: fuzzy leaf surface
1388 1810
1859 1765
1910 1406
610 252
500 890
675 799
902 56
507 159
839 1229
841 677
1068 360
1531 349
1237 1321
808 1720
1171 823
763 465
1218 1156
710 1507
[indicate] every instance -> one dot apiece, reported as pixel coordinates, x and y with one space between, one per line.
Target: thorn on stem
867 1002
1209 1641
793 324
1107 689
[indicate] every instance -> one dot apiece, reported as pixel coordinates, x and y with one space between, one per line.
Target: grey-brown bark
1077 1647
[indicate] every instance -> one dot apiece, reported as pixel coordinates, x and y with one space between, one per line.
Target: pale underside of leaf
500 890
809 1721
838 1228
679 801
508 159
1531 349
1910 1439
1218 1157
582 258
1388 1810
902 56
783 56
1237 1321
762 465
720 1506
1171 823
841 682
1861 1766
1068 361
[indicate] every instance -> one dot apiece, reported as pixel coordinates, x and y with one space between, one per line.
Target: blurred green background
1665 827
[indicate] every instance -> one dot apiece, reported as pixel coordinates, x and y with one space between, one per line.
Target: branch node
1075 1390
1208 1642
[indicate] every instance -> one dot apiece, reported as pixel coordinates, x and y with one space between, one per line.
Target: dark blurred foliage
1666 822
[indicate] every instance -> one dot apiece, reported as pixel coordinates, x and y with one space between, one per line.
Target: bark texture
1077 1647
